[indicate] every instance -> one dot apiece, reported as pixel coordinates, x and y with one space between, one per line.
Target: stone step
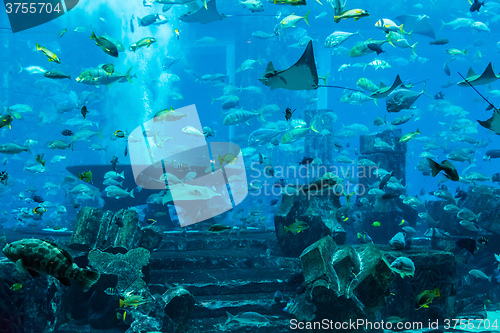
217 325
211 241
209 259
74 326
216 306
225 282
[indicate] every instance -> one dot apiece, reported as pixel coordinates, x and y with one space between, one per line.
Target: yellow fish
296 227
51 55
425 298
229 158
16 286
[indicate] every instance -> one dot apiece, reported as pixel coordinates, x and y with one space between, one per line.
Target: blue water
124 106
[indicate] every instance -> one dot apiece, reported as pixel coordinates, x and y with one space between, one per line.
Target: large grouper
42 256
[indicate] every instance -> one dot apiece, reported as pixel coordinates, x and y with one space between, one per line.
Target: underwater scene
202 166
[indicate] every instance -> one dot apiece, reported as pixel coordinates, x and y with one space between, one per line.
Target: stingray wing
301 76
204 15
419 24
493 123
488 76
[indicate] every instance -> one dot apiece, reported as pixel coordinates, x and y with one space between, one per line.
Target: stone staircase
226 273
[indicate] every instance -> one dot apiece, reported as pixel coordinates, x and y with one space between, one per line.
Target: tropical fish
403 266
446 166
425 298
147 41
362 49
6 120
98 76
337 38
289 2
55 74
402 98
296 227
62 32
291 20
113 191
252 5
219 228
239 116
132 300
105 45
41 256
409 136
356 14
50 55
86 175
398 242
168 115
248 318
476 5
16 286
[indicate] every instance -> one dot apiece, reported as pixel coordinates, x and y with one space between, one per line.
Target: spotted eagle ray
384 91
488 76
206 14
493 123
301 76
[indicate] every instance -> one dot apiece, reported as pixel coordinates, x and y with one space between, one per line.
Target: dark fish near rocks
41 256
442 41
398 242
219 228
385 179
67 132
306 161
113 162
147 20
376 48
493 153
446 166
288 113
4 175
467 243
476 6
107 46
84 111
55 74
496 177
